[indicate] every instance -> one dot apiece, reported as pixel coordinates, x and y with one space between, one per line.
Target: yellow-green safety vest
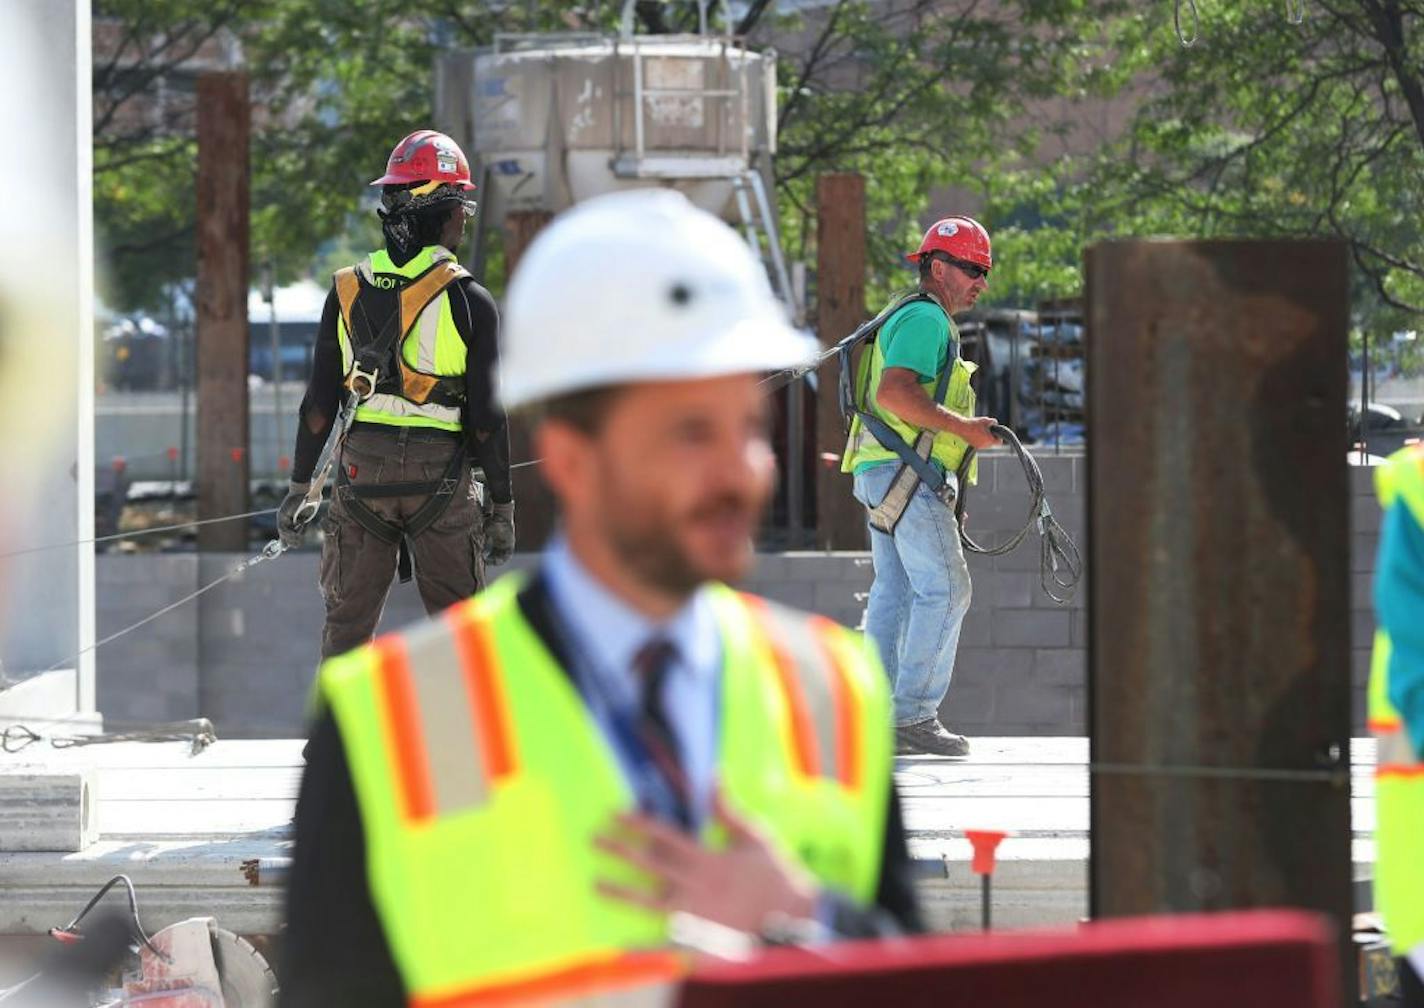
1399 771
431 346
948 449
482 780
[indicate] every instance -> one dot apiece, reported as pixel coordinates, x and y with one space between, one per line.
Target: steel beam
1219 650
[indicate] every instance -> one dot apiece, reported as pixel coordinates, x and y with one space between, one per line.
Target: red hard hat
427 156
962 238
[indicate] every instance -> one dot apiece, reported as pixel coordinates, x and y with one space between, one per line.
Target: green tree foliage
915 93
1262 128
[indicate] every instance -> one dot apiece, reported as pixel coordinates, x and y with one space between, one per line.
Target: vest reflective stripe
485 682
427 328
849 703
1394 755
491 887
820 702
392 409
447 723
635 980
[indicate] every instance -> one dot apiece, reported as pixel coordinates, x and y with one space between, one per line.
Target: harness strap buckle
363 381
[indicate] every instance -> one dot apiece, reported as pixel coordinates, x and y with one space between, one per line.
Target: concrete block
977 630
1034 628
1362 590
47 811
1079 621
797 594
1362 628
769 567
967 704
1008 589
828 596
1077 598
1058 475
998 666
1363 549
1061 666
820 566
991 520
1365 514
1360 666
1039 706
1025 558
980 566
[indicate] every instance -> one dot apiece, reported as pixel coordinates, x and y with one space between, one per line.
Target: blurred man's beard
647 543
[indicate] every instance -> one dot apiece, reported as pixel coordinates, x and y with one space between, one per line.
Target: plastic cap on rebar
985 842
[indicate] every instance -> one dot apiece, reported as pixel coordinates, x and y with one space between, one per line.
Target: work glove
288 530
499 533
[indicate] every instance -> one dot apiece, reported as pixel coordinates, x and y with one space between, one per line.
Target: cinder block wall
244 654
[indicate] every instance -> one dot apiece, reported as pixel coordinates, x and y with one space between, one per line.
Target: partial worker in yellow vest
421 483
558 787
913 397
1396 715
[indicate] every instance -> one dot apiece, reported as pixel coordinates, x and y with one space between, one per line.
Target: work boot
929 738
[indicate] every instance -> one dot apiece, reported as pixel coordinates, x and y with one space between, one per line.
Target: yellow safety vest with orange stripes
430 347
482 780
1399 771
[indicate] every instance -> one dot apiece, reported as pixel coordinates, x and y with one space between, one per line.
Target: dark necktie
651 665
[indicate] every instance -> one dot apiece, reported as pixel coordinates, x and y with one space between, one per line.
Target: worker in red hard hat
912 427
405 353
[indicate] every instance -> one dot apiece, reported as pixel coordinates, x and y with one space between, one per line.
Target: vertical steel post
224 121
1219 651
840 307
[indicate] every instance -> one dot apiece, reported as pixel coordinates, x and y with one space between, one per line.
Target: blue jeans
919 598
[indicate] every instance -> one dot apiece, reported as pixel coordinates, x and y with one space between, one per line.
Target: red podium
1231 960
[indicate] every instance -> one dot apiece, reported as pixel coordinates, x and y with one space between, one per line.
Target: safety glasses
972 270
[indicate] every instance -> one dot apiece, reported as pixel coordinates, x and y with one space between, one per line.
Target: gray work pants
357 567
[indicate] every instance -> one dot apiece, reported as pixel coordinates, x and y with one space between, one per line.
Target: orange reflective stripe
583 980
849 757
1400 770
401 723
803 731
484 682
1382 725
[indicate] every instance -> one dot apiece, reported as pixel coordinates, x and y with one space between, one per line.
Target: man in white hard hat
519 799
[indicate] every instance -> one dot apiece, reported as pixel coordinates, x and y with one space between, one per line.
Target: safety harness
1060 564
915 466
378 366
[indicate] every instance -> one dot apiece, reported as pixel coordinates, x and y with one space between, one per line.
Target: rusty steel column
840 307
1219 651
223 128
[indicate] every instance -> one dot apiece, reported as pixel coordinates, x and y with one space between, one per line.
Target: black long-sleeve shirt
477 321
335 951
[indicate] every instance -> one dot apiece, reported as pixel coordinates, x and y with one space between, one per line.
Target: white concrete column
47 353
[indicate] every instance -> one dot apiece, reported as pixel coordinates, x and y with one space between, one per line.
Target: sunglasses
972 270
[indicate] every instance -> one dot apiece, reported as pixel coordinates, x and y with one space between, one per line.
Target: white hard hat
639 286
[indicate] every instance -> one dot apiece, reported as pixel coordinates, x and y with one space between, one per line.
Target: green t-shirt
918 337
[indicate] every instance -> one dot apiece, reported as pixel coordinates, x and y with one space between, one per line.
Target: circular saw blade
247 980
